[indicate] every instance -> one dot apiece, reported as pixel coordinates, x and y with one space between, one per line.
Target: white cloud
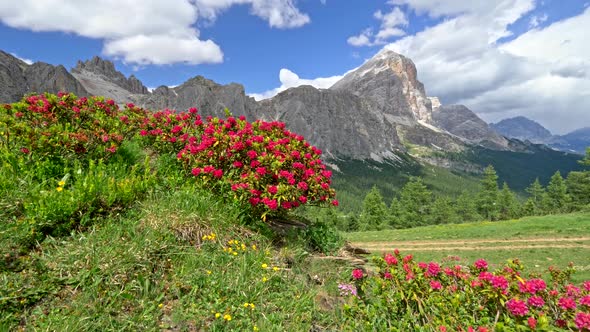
389 27
542 74
25 60
536 20
144 31
363 39
290 80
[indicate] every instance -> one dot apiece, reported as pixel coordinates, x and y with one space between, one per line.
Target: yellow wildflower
59 189
255 328
208 271
160 305
264 279
254 247
264 266
61 183
217 315
275 268
252 306
227 317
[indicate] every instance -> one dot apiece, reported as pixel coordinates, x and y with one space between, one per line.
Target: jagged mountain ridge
376 111
525 129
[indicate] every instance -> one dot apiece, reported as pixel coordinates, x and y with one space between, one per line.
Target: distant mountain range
379 111
526 129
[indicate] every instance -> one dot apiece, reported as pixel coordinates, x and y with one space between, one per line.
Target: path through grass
538 242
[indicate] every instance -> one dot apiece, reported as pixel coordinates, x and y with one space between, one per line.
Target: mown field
538 242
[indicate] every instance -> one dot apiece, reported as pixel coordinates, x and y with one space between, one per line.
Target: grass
538 242
158 267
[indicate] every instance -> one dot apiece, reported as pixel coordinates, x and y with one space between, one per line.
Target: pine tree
466 208
395 213
536 192
578 188
374 213
586 160
508 204
443 212
415 201
488 196
557 199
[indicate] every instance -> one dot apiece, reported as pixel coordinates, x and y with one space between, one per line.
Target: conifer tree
465 207
442 211
488 196
374 214
536 192
556 199
508 204
395 213
578 188
415 201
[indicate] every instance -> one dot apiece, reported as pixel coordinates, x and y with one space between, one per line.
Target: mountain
525 129
378 112
522 128
461 121
18 78
576 141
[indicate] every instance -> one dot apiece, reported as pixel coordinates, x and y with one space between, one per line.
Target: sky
500 58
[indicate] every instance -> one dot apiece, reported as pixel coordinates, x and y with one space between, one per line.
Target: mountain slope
522 128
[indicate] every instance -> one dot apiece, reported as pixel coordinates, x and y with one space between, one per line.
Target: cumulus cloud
290 80
25 60
541 73
144 31
389 27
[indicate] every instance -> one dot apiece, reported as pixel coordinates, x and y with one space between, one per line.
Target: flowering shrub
261 164
406 295
64 127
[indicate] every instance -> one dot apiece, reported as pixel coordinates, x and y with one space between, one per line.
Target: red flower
272 189
25 150
582 321
481 264
218 173
387 275
536 301
532 323
335 202
585 300
517 307
390 259
196 171
357 274
567 303
435 285
499 282
303 199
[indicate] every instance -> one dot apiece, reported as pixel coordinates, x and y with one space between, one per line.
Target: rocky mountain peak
522 128
391 81
100 77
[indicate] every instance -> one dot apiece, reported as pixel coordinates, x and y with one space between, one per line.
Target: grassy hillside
539 242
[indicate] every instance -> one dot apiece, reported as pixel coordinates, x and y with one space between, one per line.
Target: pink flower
218 173
238 164
433 269
532 286
435 285
532 322
303 199
143 132
272 189
252 154
582 321
481 264
387 275
567 303
254 201
536 301
442 328
196 171
587 285
585 300
390 259
302 185
517 307
335 202
499 282
25 150
357 274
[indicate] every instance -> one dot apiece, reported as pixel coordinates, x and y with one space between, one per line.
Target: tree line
416 205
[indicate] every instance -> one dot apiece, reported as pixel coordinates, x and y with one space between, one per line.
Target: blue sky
488 55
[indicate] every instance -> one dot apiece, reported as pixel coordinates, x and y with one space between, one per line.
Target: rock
461 121
522 128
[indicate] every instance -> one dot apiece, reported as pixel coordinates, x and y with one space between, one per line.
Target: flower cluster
432 295
261 164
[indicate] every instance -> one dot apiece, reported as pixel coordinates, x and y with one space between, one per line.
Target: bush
406 295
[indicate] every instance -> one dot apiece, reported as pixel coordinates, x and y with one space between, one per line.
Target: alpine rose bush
404 295
262 165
